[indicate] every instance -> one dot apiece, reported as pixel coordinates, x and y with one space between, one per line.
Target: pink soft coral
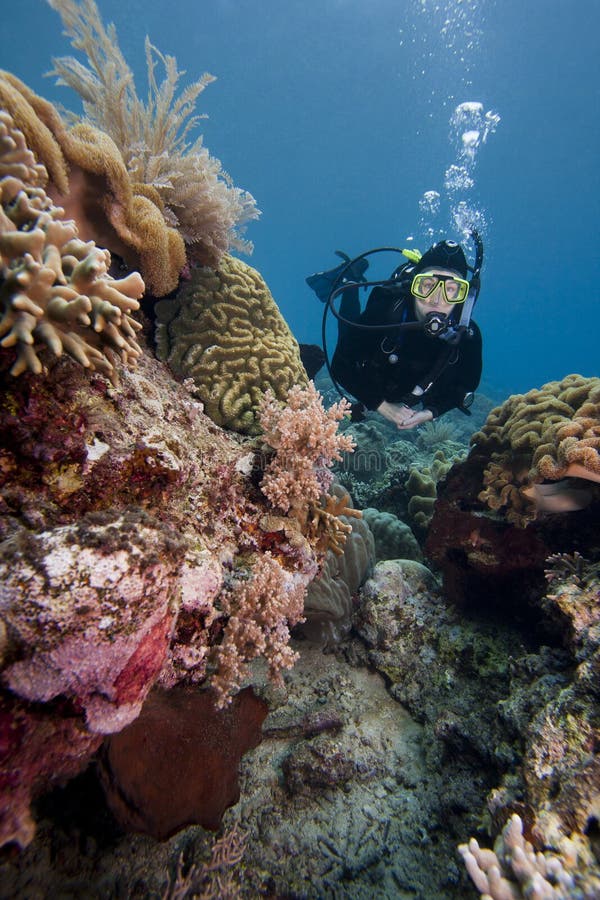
306 439
260 611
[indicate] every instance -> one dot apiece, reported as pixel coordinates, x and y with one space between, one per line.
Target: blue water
335 115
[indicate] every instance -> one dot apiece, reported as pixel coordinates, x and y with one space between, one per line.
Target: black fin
313 358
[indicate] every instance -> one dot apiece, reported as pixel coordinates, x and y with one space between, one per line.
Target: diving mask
454 289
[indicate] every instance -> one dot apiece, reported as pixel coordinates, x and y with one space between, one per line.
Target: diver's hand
403 417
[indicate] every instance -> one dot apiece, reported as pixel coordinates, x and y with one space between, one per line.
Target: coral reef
375 800
495 553
90 182
354 802
482 693
545 435
357 806
55 291
543 575
224 331
187 185
399 477
134 553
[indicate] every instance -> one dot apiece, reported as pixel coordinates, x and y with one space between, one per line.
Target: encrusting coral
191 190
55 290
224 330
547 434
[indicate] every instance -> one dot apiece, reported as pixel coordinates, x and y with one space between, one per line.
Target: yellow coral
224 330
545 435
55 289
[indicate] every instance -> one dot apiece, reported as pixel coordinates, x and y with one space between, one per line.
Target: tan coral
224 330
325 522
31 115
548 434
55 290
90 181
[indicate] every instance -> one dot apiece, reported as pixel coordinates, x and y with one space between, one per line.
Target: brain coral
393 537
544 435
224 331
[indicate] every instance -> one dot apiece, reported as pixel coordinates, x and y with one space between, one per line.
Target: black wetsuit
362 359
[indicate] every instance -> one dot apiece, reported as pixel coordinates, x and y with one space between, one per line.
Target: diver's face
436 302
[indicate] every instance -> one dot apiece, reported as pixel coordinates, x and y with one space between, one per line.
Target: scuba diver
414 353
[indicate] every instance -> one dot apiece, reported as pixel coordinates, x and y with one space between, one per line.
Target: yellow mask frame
455 289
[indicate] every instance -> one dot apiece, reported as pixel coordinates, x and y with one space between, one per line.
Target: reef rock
125 513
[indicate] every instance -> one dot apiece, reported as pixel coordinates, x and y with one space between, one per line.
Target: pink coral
122 514
306 441
90 611
260 611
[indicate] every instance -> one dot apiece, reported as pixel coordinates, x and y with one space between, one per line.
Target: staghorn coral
55 289
514 870
196 196
225 332
545 435
572 566
89 180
